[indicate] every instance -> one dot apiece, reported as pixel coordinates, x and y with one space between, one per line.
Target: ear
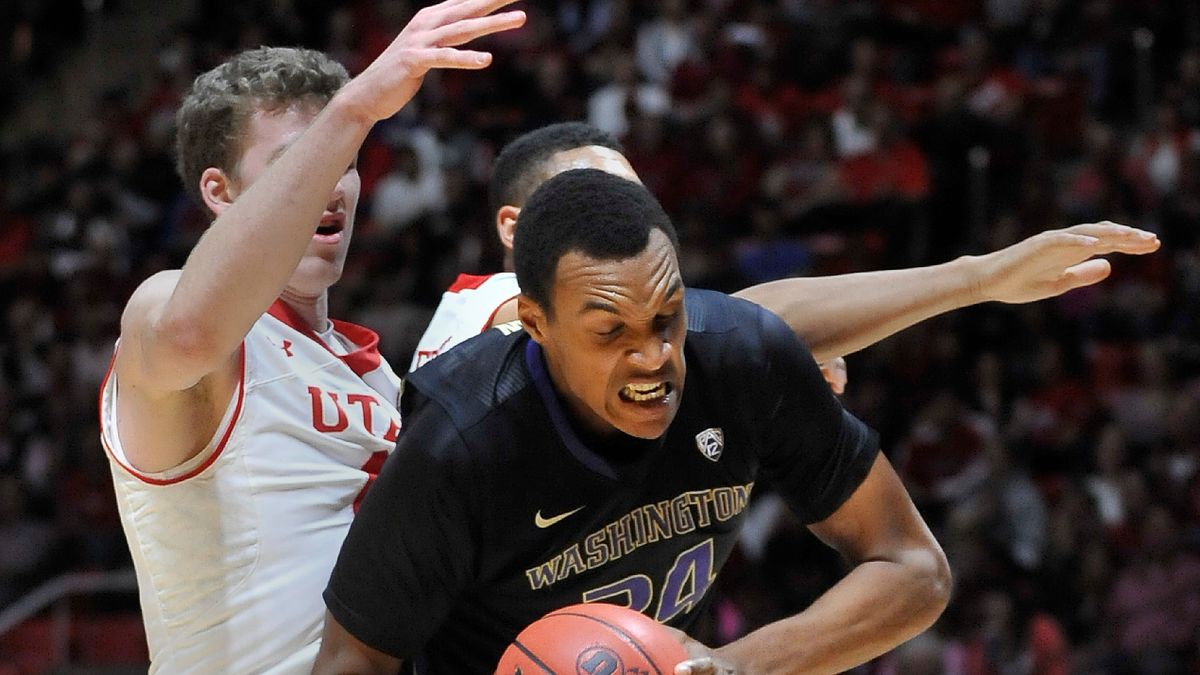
506 225
533 318
217 190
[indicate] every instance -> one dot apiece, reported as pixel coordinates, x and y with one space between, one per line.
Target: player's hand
428 41
702 660
835 374
1056 261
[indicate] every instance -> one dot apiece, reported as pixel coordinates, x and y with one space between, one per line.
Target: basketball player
242 423
834 315
607 453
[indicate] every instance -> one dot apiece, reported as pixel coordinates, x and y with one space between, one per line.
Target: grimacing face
268 134
614 347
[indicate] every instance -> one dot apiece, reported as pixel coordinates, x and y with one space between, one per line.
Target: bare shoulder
148 299
163 350
146 304
166 408
505 313
141 311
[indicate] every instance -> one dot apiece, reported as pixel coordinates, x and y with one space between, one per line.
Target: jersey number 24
682 589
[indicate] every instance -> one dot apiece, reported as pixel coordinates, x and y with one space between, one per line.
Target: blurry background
1053 447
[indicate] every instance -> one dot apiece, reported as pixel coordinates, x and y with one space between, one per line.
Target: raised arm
899 586
839 315
177 363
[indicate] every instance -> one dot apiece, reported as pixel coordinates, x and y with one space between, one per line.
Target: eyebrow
605 306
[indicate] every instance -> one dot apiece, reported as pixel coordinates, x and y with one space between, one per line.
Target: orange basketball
592 639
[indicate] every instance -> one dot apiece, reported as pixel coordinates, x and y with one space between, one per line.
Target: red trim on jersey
362 360
237 413
492 317
466 282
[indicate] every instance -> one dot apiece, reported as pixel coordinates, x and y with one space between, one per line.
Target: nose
338 196
652 354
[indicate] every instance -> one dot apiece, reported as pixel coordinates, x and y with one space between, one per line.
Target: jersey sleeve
410 550
816 453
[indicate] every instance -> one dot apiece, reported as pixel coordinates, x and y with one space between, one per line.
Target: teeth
645 392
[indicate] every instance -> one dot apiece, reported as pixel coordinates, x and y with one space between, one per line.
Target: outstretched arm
899 586
840 315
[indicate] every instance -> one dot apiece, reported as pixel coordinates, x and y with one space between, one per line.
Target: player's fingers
1109 230
1058 248
449 12
1085 274
1104 228
448 57
1115 237
1073 239
461 32
701 666
1132 241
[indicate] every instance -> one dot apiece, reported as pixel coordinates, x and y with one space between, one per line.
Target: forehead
590 157
266 131
635 285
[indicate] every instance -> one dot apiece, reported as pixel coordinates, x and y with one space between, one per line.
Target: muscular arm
899 586
841 314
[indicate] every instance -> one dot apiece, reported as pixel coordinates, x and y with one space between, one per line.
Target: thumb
1086 273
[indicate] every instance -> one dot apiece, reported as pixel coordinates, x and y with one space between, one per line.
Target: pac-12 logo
598 661
711 442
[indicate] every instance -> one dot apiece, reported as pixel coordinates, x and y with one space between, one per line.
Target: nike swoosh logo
547 522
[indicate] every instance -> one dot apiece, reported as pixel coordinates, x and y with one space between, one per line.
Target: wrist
739 656
972 279
349 112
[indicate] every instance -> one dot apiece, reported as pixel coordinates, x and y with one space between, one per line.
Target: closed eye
608 334
665 321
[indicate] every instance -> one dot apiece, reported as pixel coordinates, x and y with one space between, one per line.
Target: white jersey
466 310
233 548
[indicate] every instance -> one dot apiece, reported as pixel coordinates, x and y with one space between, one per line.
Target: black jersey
494 509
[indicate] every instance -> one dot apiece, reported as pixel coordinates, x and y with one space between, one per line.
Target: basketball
592 639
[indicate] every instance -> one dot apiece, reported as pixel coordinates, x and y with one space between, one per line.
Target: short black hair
588 211
516 174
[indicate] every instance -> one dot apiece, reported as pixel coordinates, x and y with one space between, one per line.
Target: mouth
645 393
330 229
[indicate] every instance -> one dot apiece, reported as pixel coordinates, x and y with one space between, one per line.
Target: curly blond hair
212 118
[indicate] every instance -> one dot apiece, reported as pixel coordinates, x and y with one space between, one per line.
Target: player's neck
314 310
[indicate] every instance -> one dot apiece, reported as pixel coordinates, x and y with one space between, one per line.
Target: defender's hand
835 374
1056 261
427 42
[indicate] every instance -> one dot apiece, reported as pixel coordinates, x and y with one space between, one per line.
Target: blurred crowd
1052 447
